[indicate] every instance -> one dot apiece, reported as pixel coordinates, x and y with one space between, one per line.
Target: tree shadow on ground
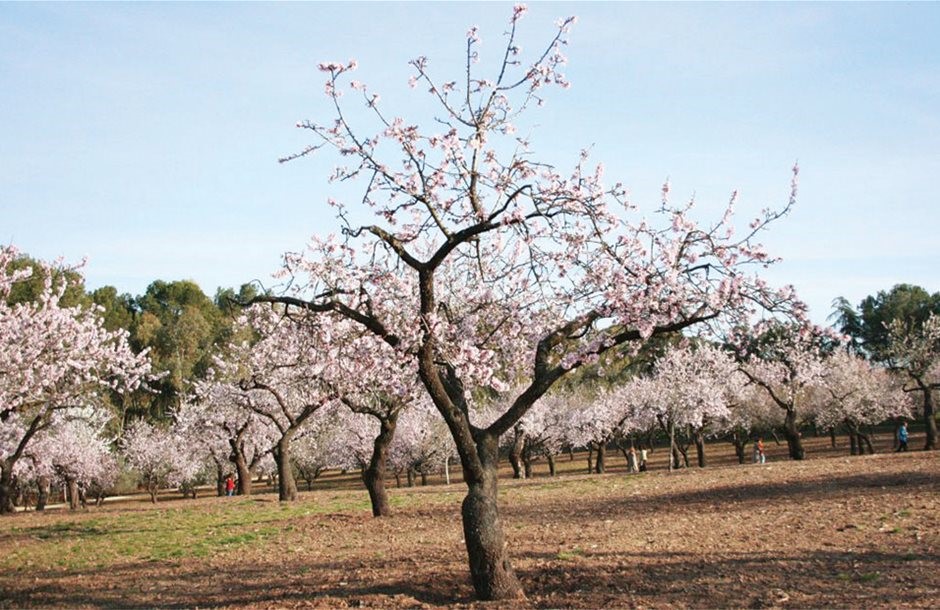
742 495
150 585
813 579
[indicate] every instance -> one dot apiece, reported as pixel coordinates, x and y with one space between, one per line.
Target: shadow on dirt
846 579
741 495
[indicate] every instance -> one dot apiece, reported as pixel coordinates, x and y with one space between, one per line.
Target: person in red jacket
229 486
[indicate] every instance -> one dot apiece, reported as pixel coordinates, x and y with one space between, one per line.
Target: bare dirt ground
846 532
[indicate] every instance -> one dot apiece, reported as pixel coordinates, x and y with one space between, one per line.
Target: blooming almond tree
855 393
221 424
160 457
73 452
53 358
786 361
422 444
373 379
546 429
915 352
492 268
281 378
697 387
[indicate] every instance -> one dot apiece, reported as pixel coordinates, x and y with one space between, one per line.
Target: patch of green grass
865 577
72 542
569 555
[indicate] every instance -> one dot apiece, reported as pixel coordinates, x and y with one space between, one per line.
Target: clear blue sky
145 136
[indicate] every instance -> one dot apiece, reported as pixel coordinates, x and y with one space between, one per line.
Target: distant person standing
902 437
642 460
759 456
229 486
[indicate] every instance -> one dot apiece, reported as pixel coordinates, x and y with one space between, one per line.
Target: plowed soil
840 531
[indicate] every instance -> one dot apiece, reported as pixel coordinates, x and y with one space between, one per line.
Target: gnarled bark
490 568
374 474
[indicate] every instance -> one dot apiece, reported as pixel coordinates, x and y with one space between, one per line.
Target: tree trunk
515 453
740 447
794 439
286 485
590 458
527 466
673 457
599 465
241 468
219 480
832 436
410 474
152 490
424 478
490 569
374 474
72 486
866 439
43 497
853 442
676 457
700 447
930 422
551 464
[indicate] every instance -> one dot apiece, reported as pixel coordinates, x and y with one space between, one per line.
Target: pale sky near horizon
146 136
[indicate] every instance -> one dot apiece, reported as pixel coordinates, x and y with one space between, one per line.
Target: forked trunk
286 485
374 474
490 569
527 465
792 433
